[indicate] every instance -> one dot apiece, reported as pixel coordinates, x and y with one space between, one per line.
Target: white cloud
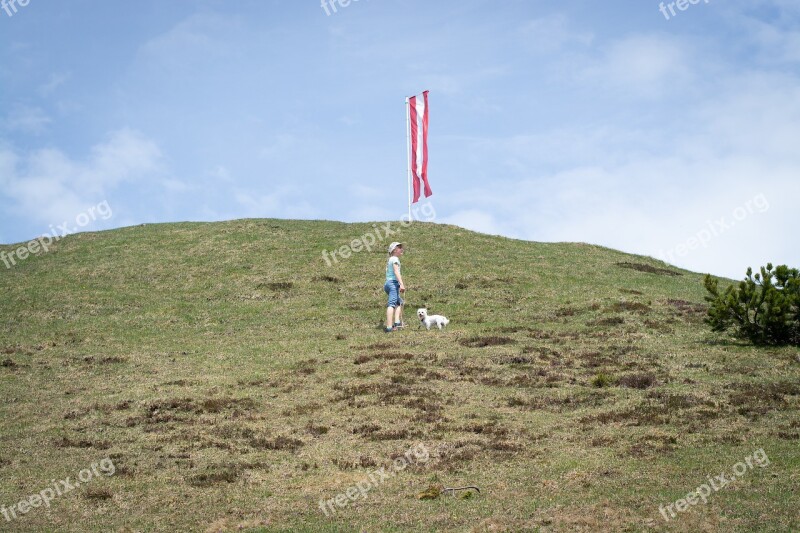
279 146
550 34
27 119
782 45
771 27
365 193
369 213
264 205
754 114
641 65
221 173
449 82
46 186
475 220
650 190
54 82
127 154
198 39
286 202
174 185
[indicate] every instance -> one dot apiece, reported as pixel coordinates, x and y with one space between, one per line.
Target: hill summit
236 376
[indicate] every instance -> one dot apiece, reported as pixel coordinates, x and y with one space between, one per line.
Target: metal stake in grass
453 490
433 492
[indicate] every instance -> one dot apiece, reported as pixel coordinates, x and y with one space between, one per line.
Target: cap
395 245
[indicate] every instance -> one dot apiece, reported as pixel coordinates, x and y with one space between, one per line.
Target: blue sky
600 122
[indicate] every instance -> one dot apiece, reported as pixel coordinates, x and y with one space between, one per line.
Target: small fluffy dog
431 320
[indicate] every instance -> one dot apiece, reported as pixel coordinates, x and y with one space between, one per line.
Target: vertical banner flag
418 118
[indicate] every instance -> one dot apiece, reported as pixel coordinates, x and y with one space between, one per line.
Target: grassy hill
234 380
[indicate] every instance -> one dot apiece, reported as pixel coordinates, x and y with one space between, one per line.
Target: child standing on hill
394 287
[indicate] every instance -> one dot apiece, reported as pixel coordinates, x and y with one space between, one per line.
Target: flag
418 118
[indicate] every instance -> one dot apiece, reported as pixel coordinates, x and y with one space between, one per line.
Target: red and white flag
418 117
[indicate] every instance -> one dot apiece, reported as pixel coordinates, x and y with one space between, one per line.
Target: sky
629 124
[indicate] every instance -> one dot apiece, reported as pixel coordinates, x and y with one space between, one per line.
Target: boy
394 287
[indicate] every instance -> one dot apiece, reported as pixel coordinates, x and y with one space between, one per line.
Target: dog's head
422 313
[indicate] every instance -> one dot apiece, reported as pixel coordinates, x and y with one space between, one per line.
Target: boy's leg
389 313
398 313
392 304
387 288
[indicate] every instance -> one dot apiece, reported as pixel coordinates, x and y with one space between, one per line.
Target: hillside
235 379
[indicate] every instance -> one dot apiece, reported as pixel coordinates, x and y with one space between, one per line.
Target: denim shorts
392 288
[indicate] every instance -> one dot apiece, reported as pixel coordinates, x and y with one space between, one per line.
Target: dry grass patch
641 267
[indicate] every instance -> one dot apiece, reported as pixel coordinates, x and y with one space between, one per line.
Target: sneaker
389 330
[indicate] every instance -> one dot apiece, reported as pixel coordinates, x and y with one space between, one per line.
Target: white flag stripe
420 134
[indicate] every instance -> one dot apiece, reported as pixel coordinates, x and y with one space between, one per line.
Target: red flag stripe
412 106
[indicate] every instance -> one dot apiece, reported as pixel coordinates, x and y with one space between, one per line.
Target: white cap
395 245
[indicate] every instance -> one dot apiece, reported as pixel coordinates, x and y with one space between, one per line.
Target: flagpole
408 158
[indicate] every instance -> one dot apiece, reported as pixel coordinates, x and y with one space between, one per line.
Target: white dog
431 320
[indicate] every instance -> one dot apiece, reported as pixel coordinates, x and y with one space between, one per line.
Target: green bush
764 308
602 380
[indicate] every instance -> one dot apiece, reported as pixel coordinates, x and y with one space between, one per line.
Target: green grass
235 380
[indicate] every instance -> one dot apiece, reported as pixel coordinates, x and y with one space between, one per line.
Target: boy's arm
399 278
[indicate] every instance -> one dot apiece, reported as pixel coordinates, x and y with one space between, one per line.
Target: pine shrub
763 308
